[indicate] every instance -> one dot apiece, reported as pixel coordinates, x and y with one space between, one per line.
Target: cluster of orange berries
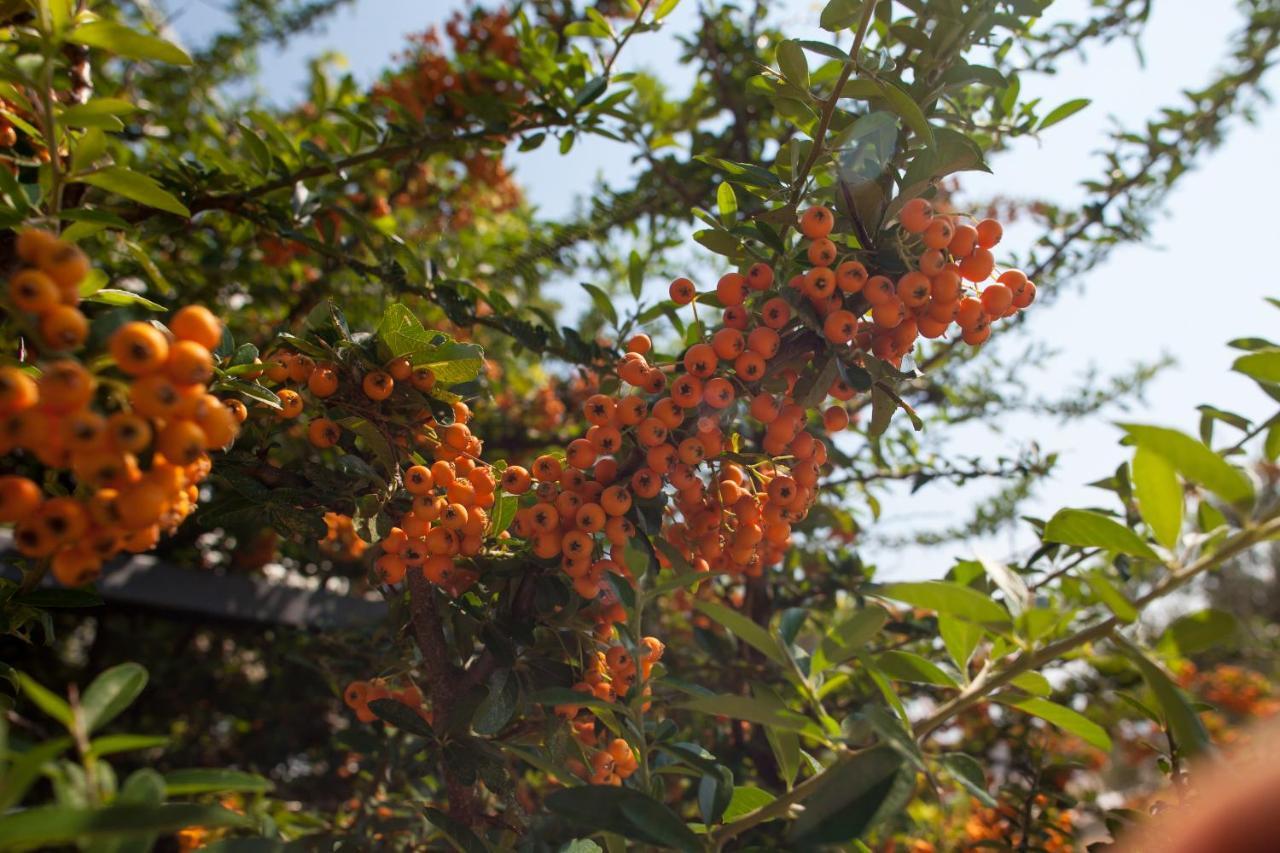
323 380
47 289
341 541
434 84
954 259
449 519
135 463
609 675
358 695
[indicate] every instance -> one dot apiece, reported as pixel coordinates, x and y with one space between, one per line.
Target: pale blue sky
1199 282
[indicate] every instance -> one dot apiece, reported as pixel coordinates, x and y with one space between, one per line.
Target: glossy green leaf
1063 112
843 641
726 202
756 710
111 744
968 772
744 629
110 693
1262 365
962 602
849 800
1180 718
1194 461
1086 529
1159 494
793 65
1064 718
52 704
1201 631
1032 682
746 799
905 666
128 43
625 811
1114 599
136 187
212 780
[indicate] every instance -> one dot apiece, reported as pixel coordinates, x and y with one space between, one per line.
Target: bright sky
1199 282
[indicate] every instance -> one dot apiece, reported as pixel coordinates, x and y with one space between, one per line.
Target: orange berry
19 499
377 385
718 393
682 291
835 419
816 222
760 276
65 386
423 379
731 289
323 381
64 263
640 343
189 363
198 324
728 344
18 391
879 289
64 327
139 348
964 241
939 233
32 243
290 403
776 313
978 266
400 369
887 315
851 276
914 289
970 313
989 233
322 433
33 291
1025 296
181 442
822 252
840 326
916 215
996 299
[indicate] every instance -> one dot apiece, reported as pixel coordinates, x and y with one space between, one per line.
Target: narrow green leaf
962 602
50 825
1155 485
110 693
744 629
625 811
201 780
1087 529
793 65
1194 461
1064 718
848 801
1114 599
846 639
135 186
1180 718
905 666
755 710
53 705
726 203
1063 112
111 744
1201 631
128 43
112 296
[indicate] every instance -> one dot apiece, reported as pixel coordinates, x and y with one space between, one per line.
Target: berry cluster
951 260
358 695
122 457
609 675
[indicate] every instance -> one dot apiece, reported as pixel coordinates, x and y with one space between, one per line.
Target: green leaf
403 335
849 799
1180 718
960 601
966 770
1087 529
793 65
726 203
905 666
840 14
1009 582
135 186
53 705
122 298
25 767
635 273
1063 112
497 708
111 744
746 799
1062 717
214 780
906 107
48 825
746 630
1201 631
1194 461
1114 599
101 113
128 43
1262 365
591 91
1032 682
110 693
756 710
401 716
960 638
846 639
666 7
1155 485
625 811
1271 445
602 302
